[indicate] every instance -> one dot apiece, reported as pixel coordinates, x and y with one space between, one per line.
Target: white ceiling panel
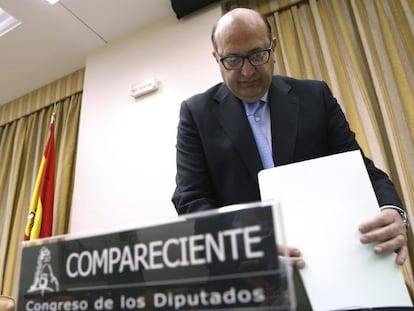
54 40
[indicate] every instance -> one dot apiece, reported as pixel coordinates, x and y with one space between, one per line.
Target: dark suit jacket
217 157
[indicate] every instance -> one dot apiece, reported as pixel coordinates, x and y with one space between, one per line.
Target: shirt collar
263 98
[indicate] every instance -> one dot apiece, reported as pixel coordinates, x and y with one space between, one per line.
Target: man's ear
274 41
215 56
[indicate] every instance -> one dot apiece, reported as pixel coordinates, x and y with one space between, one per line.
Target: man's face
249 83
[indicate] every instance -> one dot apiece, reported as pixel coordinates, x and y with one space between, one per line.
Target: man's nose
247 69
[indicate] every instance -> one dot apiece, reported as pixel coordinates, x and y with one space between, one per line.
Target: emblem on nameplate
44 279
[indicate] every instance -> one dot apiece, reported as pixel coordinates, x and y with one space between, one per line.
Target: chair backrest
7 303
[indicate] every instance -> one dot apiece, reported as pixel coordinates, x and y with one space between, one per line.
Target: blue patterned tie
260 137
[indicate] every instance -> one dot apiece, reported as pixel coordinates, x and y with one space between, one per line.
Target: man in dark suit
217 156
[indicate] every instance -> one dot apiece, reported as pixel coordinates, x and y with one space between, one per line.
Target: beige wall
126 152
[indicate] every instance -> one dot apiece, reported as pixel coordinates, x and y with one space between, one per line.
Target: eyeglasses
256 58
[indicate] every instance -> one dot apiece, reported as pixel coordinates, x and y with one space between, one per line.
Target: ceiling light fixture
7 22
52 1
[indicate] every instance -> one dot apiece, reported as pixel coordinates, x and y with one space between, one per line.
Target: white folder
323 201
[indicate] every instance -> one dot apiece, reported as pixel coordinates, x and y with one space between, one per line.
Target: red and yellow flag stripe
40 219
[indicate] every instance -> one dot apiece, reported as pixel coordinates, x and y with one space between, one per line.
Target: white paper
323 201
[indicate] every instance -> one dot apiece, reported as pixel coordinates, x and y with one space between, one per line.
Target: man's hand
291 253
387 229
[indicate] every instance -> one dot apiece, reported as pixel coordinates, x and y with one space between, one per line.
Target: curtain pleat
364 51
22 144
42 97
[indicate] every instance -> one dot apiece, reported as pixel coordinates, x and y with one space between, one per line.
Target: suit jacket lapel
229 111
284 111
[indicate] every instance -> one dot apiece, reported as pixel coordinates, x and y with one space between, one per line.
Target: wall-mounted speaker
185 7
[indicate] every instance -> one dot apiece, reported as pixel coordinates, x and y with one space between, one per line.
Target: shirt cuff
400 211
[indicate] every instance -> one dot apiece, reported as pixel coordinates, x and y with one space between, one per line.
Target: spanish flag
40 219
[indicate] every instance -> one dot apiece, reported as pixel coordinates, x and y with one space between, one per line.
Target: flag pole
52 118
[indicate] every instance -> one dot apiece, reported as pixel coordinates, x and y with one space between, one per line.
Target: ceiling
54 40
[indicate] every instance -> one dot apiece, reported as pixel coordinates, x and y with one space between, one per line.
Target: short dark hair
269 31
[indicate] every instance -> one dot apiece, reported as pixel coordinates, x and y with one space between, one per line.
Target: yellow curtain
23 137
364 51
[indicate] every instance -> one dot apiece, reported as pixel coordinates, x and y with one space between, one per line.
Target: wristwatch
405 219
400 211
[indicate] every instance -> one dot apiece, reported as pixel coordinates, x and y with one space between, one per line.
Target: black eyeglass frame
247 56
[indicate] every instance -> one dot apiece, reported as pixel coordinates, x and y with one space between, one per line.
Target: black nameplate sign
211 261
